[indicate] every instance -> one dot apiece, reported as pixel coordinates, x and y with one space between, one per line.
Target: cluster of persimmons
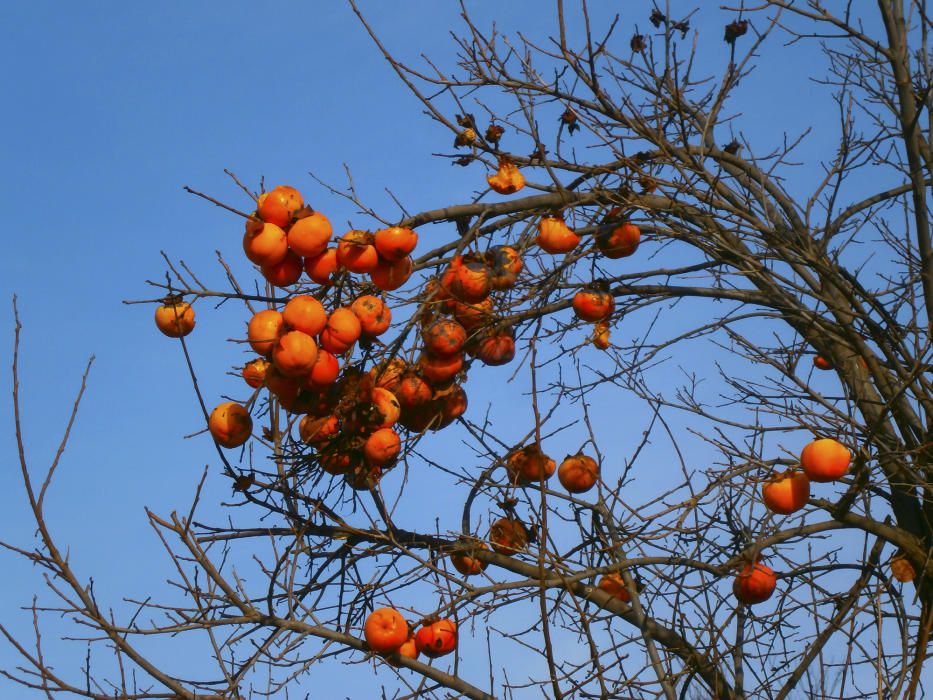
350 413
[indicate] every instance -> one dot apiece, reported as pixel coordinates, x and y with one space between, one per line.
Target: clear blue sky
109 109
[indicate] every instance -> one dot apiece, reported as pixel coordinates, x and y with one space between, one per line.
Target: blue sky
110 109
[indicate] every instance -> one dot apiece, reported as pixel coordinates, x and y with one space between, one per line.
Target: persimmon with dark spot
230 424
444 337
437 638
373 313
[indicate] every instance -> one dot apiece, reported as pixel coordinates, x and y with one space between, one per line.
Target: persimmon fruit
754 584
437 638
508 536
467 564
395 243
825 460
385 630
309 236
254 372
306 314
554 236
614 585
294 354
786 492
263 330
593 304
508 179
174 318
230 424
578 473
264 244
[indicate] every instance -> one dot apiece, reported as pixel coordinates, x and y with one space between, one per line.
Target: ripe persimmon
786 492
409 650
175 318
754 584
294 354
321 268
264 329
309 236
341 331
506 263
600 337
452 403
356 252
578 473
441 368
472 316
316 431
554 236
444 337
593 304
373 313
467 279
529 465
386 409
614 585
465 561
389 275
619 242
495 347
508 536
230 424
284 273
395 242
382 447
437 638
388 373
279 205
254 372
325 371
901 568
412 391
825 460
385 630
306 314
264 243
285 389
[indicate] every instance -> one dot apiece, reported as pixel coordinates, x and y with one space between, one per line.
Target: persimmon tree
632 261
